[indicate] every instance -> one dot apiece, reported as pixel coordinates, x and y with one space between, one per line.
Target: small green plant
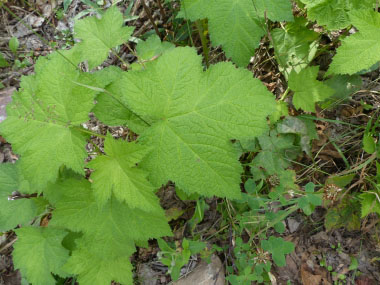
176 258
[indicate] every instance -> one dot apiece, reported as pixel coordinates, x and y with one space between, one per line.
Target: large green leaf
361 50
109 233
98 36
13 212
95 265
120 115
334 13
115 224
307 89
116 173
237 25
275 10
38 252
193 115
44 118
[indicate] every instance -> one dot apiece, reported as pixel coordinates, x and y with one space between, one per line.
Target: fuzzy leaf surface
25 208
193 115
147 50
120 115
347 59
116 173
334 14
100 35
307 89
38 252
115 224
276 10
44 117
95 268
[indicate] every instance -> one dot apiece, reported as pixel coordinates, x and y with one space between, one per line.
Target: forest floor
347 251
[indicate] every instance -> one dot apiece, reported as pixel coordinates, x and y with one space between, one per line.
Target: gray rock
205 274
5 99
146 275
293 225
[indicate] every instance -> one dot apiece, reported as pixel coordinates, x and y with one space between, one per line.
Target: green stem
83 130
187 23
285 94
200 26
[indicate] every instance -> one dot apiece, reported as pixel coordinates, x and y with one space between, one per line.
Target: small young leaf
99 36
303 127
370 203
278 248
3 61
14 44
340 181
308 202
152 47
38 252
369 144
277 152
308 90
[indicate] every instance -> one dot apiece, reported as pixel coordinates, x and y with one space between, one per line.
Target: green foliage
295 46
99 36
38 252
192 119
35 117
307 89
310 200
116 173
305 128
3 61
334 14
344 86
176 258
278 248
347 59
241 34
14 44
252 266
151 48
26 208
109 233
277 152
211 131
370 203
